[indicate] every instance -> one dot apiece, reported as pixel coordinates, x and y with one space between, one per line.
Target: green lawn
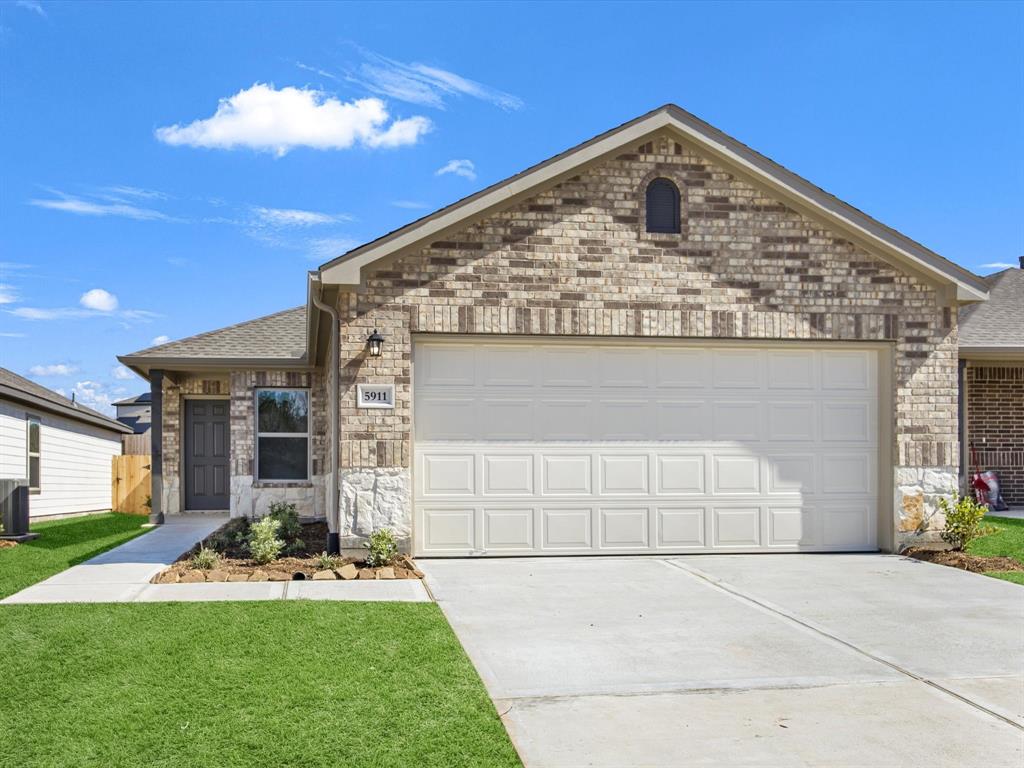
64 543
242 684
1007 541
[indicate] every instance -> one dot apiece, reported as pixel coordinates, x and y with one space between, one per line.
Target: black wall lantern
376 343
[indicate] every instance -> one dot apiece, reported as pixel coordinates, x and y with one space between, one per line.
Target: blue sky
170 168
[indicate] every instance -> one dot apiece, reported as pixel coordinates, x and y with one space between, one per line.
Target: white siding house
62 448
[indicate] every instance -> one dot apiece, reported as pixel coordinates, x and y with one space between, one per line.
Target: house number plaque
375 395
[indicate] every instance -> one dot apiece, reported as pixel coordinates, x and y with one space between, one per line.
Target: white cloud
93 394
99 300
411 205
463 168
161 339
7 335
7 294
292 217
121 373
425 85
998 265
84 207
32 5
121 191
267 119
327 248
57 369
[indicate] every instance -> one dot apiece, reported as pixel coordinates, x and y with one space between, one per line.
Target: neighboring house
657 341
62 448
135 412
992 362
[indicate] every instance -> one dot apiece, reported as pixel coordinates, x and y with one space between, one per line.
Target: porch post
156 432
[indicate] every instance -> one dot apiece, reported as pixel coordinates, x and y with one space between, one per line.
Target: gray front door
206 454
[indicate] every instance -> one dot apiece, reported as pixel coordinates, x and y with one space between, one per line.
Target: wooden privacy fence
135 445
129 484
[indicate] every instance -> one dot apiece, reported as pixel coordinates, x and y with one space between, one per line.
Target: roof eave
68 411
143 365
1008 353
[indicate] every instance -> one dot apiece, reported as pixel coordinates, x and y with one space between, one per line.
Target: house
656 341
62 448
992 383
135 412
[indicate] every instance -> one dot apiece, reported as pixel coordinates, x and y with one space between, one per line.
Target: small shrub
148 503
327 562
205 559
963 521
381 548
286 515
264 545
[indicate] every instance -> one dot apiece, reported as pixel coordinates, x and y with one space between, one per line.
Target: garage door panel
449 529
737 420
562 420
448 475
624 475
792 473
508 475
791 370
791 421
550 448
736 526
736 474
682 420
509 529
567 475
624 527
681 368
680 474
681 527
567 528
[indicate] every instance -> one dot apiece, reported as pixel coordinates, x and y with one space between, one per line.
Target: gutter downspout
333 516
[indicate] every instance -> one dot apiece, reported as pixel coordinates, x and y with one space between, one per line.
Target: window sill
282 484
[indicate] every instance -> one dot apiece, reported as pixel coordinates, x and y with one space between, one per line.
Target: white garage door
550 448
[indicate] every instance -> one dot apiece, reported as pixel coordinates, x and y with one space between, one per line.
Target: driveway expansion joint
735 592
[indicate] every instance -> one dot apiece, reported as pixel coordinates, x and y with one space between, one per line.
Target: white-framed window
33 441
282 434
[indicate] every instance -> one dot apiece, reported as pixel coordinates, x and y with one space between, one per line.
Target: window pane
282 411
33 472
33 437
282 458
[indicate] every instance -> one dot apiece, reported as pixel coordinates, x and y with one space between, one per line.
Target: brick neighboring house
656 341
992 365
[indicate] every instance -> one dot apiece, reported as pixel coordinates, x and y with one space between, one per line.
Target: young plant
286 515
326 562
264 544
964 518
381 548
205 559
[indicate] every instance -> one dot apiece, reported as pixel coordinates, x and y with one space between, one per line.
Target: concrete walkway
122 575
757 660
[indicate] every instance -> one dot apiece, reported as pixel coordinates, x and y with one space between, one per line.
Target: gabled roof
144 399
277 340
27 392
798 192
996 326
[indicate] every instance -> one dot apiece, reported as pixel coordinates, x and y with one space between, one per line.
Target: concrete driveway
777 660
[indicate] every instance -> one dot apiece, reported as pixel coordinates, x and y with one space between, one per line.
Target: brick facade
575 261
995 423
248 497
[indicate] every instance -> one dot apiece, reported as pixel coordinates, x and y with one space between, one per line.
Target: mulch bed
301 561
7 544
964 561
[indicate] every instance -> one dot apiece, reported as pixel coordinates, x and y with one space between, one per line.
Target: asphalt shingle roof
19 384
281 336
998 322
